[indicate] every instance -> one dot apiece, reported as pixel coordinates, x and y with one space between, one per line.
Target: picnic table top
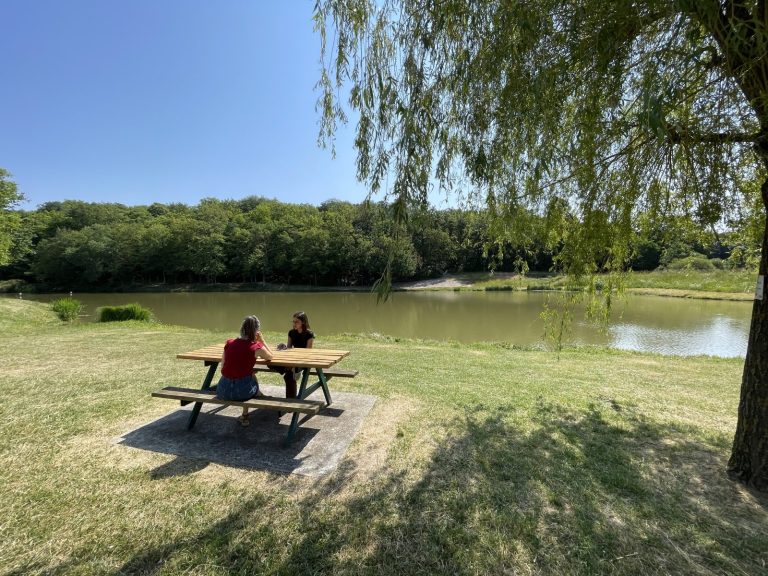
296 357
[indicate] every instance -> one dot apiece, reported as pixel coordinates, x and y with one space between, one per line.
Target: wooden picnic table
307 360
296 357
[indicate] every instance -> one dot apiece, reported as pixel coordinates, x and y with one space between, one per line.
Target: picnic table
310 361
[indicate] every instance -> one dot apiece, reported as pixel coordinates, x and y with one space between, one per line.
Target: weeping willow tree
594 109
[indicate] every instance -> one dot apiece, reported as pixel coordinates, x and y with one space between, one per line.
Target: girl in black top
299 337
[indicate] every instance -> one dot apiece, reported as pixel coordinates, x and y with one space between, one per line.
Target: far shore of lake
731 285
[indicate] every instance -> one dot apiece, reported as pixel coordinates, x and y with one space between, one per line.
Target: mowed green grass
734 281
717 284
475 460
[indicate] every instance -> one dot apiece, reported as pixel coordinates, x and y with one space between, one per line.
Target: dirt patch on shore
433 283
450 281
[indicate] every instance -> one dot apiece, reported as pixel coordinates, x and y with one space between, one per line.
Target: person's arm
265 351
290 342
310 342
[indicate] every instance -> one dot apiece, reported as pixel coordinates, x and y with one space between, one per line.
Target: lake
646 323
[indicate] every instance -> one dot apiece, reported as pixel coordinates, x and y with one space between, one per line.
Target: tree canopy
614 106
9 221
607 107
74 245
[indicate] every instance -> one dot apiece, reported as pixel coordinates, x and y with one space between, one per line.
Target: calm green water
647 323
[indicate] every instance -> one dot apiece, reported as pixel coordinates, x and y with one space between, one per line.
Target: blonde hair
249 328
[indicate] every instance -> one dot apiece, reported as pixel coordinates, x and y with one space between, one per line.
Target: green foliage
612 107
696 262
9 194
67 308
748 226
646 254
10 222
558 320
338 243
605 109
675 251
122 313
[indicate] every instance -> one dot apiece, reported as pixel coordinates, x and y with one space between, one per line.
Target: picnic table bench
310 361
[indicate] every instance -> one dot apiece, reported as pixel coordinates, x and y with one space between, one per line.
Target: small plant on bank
67 309
122 313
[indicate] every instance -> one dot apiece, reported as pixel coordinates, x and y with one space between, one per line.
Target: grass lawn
718 281
717 284
476 459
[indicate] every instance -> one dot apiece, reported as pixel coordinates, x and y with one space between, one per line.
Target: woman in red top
238 381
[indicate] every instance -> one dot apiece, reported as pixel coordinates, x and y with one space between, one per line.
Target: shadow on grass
597 491
600 491
179 466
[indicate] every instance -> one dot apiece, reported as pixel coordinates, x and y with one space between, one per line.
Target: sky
146 101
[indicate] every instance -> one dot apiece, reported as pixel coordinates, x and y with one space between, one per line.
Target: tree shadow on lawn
585 492
589 491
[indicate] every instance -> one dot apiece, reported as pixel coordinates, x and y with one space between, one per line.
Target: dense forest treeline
74 244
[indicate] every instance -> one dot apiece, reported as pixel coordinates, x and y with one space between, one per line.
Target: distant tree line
74 244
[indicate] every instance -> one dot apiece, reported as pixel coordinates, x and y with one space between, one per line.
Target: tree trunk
749 456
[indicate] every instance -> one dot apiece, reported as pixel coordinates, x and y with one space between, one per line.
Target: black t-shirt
299 339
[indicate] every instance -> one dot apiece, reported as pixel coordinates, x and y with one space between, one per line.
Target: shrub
67 308
122 313
675 251
694 262
719 263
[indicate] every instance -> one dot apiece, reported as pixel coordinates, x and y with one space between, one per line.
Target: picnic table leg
321 383
292 428
324 384
206 385
295 416
303 388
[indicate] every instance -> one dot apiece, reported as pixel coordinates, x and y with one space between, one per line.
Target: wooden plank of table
271 402
329 372
297 364
309 355
298 357
220 347
213 352
313 352
305 356
199 356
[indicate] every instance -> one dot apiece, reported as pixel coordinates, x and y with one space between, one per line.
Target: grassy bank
475 460
14 286
717 284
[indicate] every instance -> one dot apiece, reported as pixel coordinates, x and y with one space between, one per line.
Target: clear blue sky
147 101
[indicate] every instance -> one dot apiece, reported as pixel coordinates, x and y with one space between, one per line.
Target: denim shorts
237 388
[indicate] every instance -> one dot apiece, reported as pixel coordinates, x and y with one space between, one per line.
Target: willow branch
677 136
